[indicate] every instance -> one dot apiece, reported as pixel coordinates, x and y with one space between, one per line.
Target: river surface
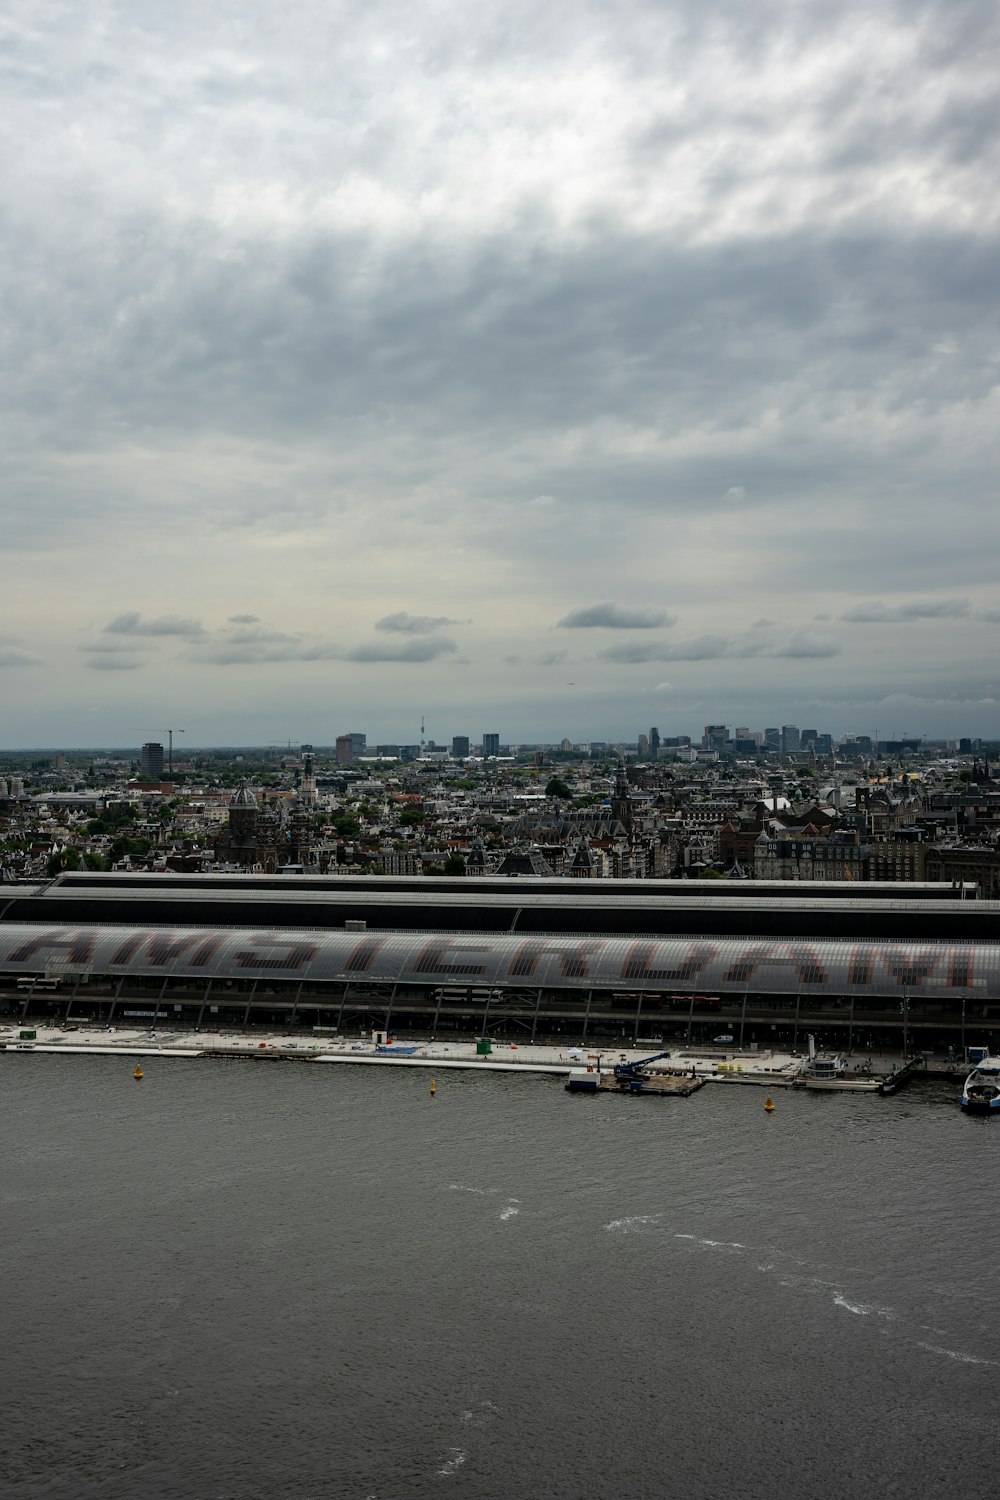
239 1281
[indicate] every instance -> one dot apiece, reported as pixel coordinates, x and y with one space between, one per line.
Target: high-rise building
151 760
345 749
459 746
790 742
654 743
491 745
772 739
359 743
715 737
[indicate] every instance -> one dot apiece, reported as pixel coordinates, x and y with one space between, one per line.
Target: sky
553 370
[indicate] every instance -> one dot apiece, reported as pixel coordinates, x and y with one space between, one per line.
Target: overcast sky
547 369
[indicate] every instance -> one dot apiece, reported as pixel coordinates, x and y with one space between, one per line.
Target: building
345 750
654 743
491 745
151 760
459 746
790 741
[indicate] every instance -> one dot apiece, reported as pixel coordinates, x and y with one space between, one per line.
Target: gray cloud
616 617
237 654
132 623
243 619
407 651
717 647
332 320
878 613
804 644
551 659
10 657
115 663
414 624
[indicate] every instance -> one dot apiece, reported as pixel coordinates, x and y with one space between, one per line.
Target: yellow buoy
138 1074
434 1087
769 1104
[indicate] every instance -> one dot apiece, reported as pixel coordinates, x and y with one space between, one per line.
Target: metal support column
159 1001
204 1002
117 997
586 1018
392 997
486 1012
690 1019
73 996
795 1033
635 1024
534 1019
340 1013
246 1013
434 1023
295 1003
743 1019
850 1028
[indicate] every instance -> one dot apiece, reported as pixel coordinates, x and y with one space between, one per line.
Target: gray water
239 1281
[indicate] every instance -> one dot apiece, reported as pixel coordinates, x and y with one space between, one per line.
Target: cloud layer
388 336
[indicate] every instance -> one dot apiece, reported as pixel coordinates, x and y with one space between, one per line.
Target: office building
151 761
491 745
459 746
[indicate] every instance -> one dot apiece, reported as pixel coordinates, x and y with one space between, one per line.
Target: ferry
981 1090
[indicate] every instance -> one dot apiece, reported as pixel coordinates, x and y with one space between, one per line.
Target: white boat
981 1090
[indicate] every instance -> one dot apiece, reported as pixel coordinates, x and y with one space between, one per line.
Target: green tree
63 859
454 865
556 787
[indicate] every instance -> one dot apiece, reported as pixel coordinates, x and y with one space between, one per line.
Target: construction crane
633 1073
170 750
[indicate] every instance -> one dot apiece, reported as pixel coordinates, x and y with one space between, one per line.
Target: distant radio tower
421 734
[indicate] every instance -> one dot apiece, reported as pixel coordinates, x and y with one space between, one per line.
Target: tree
347 827
454 865
556 787
63 859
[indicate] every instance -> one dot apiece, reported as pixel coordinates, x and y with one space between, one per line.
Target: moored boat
981 1090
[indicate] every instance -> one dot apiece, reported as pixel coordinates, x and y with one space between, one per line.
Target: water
237 1282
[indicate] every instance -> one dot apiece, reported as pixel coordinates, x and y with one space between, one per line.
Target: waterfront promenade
714 1063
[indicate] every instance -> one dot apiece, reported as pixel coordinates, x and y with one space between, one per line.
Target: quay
675 1070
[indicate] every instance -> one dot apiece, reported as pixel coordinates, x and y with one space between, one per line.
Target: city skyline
573 371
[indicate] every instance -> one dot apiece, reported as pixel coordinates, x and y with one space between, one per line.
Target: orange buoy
769 1105
138 1074
433 1087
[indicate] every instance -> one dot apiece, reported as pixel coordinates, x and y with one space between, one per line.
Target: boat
981 1090
832 1071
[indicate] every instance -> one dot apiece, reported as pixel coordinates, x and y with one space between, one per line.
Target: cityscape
781 803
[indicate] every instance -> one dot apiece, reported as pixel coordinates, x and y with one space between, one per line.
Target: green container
27 1036
484 1047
